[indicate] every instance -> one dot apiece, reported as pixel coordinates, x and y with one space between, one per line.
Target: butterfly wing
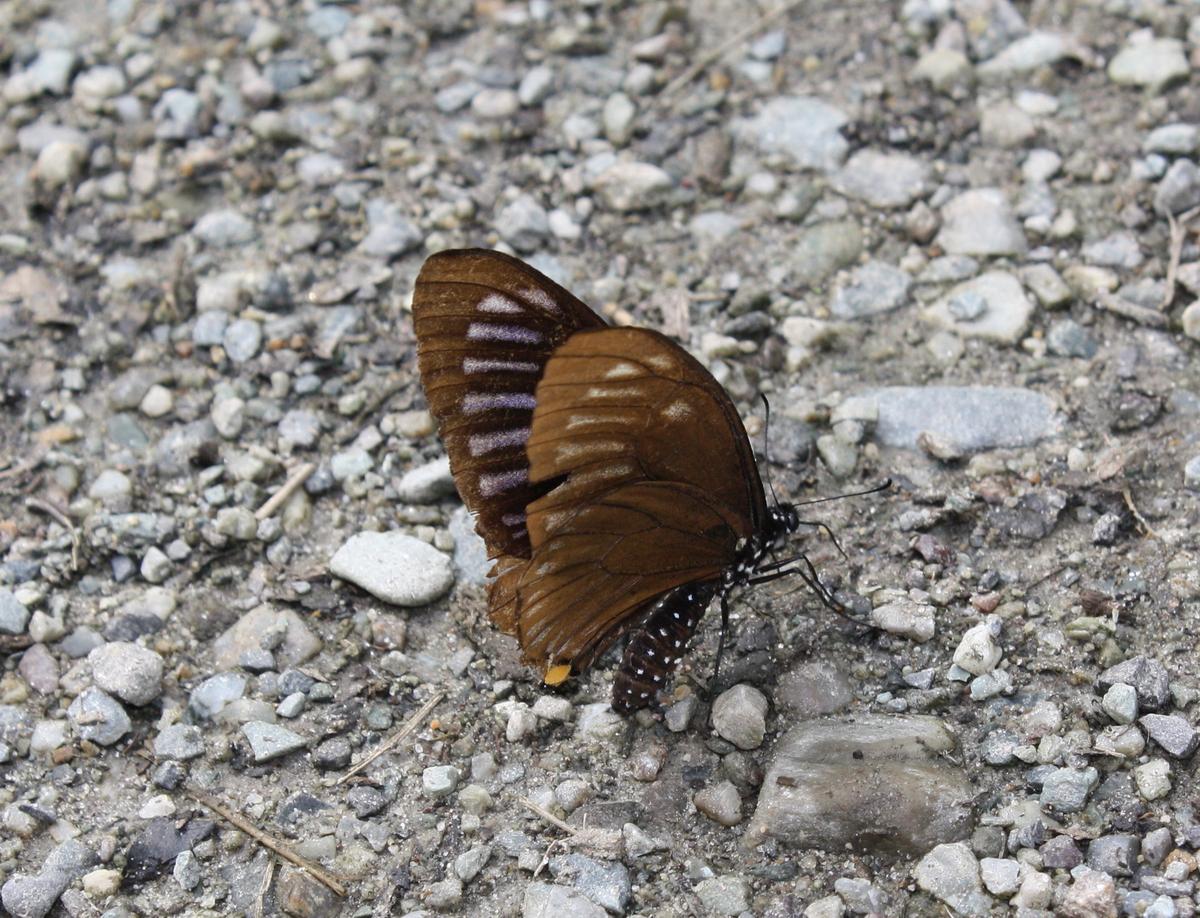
486 324
654 486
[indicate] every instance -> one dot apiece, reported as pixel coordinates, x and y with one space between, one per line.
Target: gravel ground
955 243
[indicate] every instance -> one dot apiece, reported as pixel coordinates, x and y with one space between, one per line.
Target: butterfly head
784 520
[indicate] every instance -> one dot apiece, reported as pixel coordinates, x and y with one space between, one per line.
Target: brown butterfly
610 475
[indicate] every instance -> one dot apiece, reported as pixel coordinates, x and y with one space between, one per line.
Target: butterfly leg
720 643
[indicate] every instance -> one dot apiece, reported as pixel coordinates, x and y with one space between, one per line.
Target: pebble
209 328
906 618
872 289
599 722
1067 338
495 104
394 567
1092 895
14 616
1176 139
973 418
1118 250
300 428
470 553
629 186
288 636
804 129
1120 703
350 464
1035 891
211 696
1172 733
1000 310
98 717
724 895
129 671
1190 320
553 708
951 873
439 780
882 179
187 872
426 483
978 652
816 794
270 741
390 233
603 882
618 118
721 803
157 402
1148 677
39 669
1179 188
156 567
739 715
242 340
1001 876
179 743
224 229
811 690
228 417
1067 789
1150 62
468 865
27 896
535 87
59 164
980 222
546 900
943 68
1116 855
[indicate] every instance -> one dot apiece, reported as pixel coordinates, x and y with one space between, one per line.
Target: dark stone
131 627
365 801
1061 853
1116 855
1148 677
1175 735
1032 518
160 843
300 805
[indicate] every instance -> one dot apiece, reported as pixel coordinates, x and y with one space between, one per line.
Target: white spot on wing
677 411
498 302
489 365
475 402
487 331
541 299
622 370
484 443
493 483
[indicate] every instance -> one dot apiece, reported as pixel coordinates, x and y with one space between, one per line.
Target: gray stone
1031 52
34 896
907 618
468 864
599 722
872 289
98 717
972 418
156 566
1001 876
439 780
242 340
228 416
605 883
721 803
209 328
224 228
179 743
547 900
214 693
1001 309
980 222
978 652
289 637
389 233
129 671
1061 853
1173 140
178 114
350 464
1157 844
1148 677
495 104
1067 789
1153 63
724 895
536 85
237 523
951 873
803 128
1120 703
1179 189
1116 855
1118 250
394 567
628 186
426 483
740 715
270 741
1067 338
14 616
1173 733
301 428
186 870
822 249
1092 894
812 690
523 223
870 781
618 118
470 552
113 489
883 179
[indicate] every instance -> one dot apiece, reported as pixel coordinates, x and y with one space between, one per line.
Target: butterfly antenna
887 483
767 447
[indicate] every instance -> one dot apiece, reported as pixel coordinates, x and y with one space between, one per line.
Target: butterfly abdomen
657 647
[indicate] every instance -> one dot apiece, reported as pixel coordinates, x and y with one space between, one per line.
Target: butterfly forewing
486 324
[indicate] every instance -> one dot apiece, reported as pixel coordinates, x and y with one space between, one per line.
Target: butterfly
609 474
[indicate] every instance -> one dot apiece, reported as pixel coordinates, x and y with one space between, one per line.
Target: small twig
707 60
1146 528
260 901
240 822
395 739
548 816
1178 234
44 506
1129 310
27 466
276 500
